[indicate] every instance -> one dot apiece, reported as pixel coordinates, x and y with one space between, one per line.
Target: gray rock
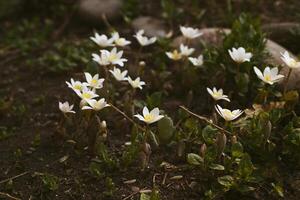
93 10
151 26
214 36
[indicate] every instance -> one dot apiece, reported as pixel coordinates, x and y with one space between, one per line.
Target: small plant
230 149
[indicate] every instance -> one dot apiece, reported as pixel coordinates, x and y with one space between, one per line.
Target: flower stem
138 55
287 81
205 119
127 117
132 101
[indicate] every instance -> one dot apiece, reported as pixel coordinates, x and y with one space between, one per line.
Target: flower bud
233 139
203 150
103 124
83 103
142 63
221 142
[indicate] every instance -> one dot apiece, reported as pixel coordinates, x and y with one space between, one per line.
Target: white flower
113 57
102 40
217 94
101 60
86 94
119 41
175 55
137 83
95 105
143 40
118 74
75 85
94 82
197 61
289 61
190 32
228 115
65 107
239 55
149 117
269 76
185 50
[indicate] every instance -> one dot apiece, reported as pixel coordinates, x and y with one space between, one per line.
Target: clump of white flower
190 33
102 40
185 50
289 61
93 81
119 41
75 85
137 83
217 94
65 107
174 55
118 74
197 61
228 115
149 117
269 76
95 104
143 40
240 55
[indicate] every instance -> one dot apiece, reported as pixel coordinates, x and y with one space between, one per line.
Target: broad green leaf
165 130
278 189
217 167
144 196
245 168
194 159
209 134
227 181
245 188
237 150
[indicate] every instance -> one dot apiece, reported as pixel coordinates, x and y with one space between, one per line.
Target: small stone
152 27
93 10
135 189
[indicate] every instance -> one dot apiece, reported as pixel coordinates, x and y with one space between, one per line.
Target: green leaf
237 150
155 195
165 130
245 168
144 196
154 100
154 138
227 181
194 159
242 81
209 133
217 167
245 188
278 189
291 97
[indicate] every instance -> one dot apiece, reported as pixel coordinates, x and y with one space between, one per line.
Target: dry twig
204 119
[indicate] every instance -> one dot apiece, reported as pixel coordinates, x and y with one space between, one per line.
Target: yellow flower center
293 63
148 117
268 77
227 114
217 94
94 82
119 41
112 57
86 95
176 55
77 87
